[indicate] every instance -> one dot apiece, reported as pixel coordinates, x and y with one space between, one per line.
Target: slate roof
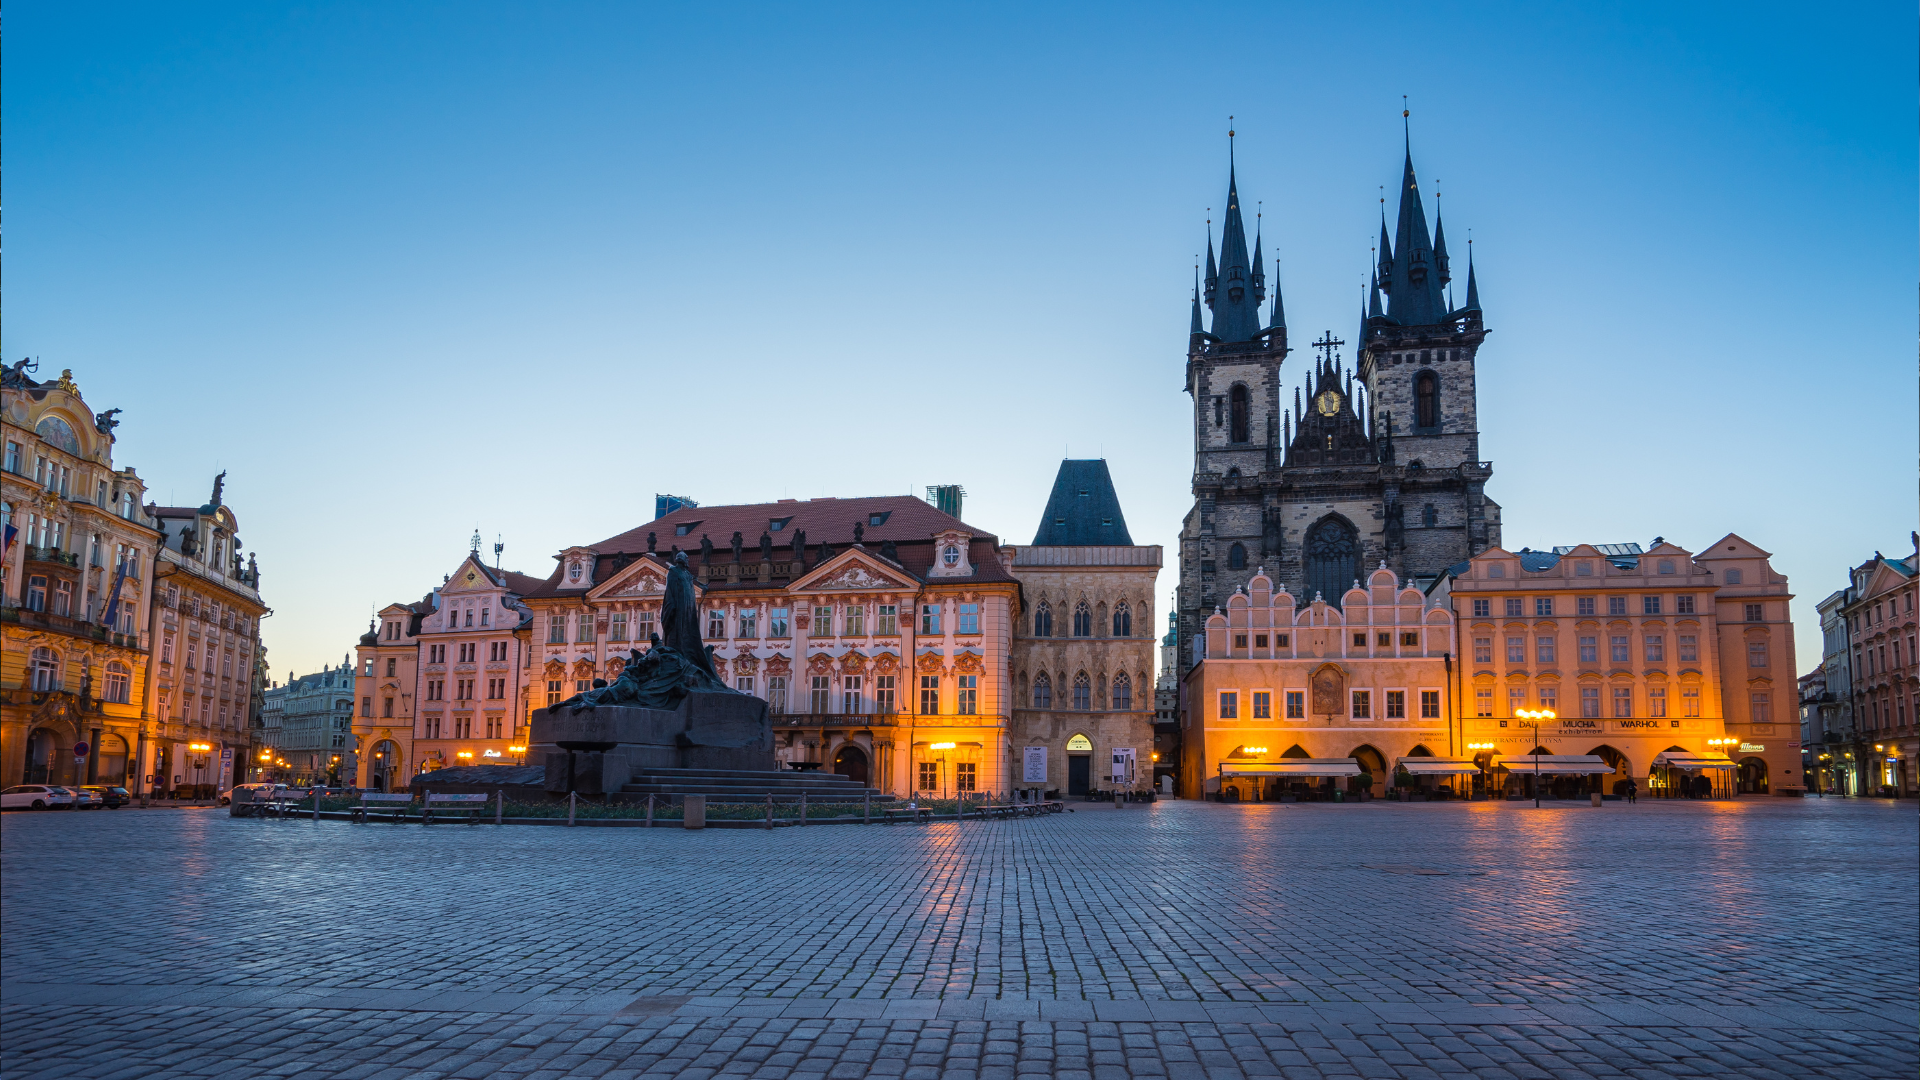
1084 510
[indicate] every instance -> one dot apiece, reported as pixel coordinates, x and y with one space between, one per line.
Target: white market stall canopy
1437 766
1553 764
1675 760
1303 767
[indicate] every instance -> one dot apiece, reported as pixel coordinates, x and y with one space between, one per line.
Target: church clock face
1327 402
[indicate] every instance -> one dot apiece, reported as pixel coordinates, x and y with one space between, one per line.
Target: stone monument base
719 731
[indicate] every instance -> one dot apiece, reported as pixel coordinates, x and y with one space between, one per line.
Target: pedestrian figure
1633 790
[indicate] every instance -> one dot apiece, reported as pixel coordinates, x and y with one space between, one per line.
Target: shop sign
1123 765
1752 748
1034 766
1579 725
1637 725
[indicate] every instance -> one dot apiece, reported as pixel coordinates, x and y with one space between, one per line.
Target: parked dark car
113 797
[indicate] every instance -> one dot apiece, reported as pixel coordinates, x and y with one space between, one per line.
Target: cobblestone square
1750 938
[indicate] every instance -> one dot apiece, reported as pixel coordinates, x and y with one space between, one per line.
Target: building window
1239 641
1683 605
1082 692
852 700
1550 699
930 620
1543 607
1543 648
1690 701
1396 704
1616 605
386 708
1622 701
821 690
1657 701
1426 400
1262 705
776 622
1042 691
1515 607
1043 620
965 775
1122 692
716 623
1733 577
1618 649
1755 613
968 701
1122 621
1590 702
1296 704
1689 649
929 776
617 626
366 707
1229 705
1483 702
929 695
1082 620
750 623
1363 704
1359 640
553 692
1237 557
969 618
1756 654
1583 605
556 630
1650 605
1483 609
1516 649
883 694
1656 648
1429 704
777 694
1483 650
822 625
119 681
1280 641
1516 699
887 620
743 683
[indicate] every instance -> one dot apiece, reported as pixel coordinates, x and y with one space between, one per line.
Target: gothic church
1369 464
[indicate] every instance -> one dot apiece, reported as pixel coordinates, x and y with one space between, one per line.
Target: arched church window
1082 620
1122 620
1237 557
1122 692
1240 427
1042 691
1043 620
1082 692
1333 559
1426 400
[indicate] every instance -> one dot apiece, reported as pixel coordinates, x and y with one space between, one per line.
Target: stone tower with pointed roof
1374 463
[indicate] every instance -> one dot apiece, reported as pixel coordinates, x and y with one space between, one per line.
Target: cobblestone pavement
1757 938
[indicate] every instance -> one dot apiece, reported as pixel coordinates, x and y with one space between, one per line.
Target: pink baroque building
877 629
1883 634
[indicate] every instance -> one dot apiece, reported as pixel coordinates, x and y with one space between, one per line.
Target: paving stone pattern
1761 938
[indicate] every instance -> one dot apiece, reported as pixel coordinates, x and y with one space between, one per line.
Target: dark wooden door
851 762
1079 774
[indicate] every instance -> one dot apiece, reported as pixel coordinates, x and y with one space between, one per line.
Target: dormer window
773 525
951 555
574 570
877 519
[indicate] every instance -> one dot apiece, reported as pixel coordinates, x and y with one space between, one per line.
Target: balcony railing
53 555
835 719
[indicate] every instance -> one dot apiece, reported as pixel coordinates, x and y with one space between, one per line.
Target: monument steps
746 785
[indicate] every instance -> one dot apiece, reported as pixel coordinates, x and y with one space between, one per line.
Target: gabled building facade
1883 633
1083 645
877 629
386 680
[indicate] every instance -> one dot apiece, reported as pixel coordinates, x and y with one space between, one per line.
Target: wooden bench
999 810
468 806
911 813
284 801
393 804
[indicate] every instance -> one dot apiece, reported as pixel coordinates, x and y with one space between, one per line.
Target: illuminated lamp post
1476 746
1726 746
520 752
1536 715
943 747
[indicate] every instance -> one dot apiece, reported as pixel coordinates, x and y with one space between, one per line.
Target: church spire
1234 299
1413 282
1473 286
1199 329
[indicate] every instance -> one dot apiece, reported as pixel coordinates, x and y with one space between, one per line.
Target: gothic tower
1385 471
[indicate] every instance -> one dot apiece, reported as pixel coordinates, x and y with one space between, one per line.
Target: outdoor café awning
1553 764
1301 767
1437 766
1676 760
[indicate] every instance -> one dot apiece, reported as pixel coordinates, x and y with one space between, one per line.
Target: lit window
1296 704
1623 701
1657 701
1262 705
1229 705
968 700
1429 704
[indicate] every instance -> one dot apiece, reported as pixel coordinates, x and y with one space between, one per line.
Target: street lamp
1478 746
1536 715
521 751
943 747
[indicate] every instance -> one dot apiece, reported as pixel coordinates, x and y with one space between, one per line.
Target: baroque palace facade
127 627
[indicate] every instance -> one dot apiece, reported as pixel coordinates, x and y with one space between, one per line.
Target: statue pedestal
725 731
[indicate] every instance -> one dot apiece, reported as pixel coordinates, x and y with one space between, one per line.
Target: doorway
1079 774
1753 776
851 762
39 756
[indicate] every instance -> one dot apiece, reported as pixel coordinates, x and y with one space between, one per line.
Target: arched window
1237 557
1122 692
1122 620
46 670
1082 692
119 681
1237 432
1042 691
1043 620
1426 400
1082 620
1333 559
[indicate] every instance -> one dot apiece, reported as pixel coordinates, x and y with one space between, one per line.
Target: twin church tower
1363 464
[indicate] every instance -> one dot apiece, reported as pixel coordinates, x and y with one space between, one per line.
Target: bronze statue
706 549
766 546
653 544
104 423
670 669
738 545
859 531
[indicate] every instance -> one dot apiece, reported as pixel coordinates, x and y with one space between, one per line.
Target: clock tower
1375 462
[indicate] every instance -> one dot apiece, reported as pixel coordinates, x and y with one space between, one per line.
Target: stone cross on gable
1326 345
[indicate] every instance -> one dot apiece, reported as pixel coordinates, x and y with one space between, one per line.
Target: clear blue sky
405 270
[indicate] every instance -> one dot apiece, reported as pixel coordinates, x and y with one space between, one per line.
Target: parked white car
259 790
36 797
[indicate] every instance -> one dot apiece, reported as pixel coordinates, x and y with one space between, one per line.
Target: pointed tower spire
1235 300
1279 307
1473 286
1199 328
1413 287
1440 245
